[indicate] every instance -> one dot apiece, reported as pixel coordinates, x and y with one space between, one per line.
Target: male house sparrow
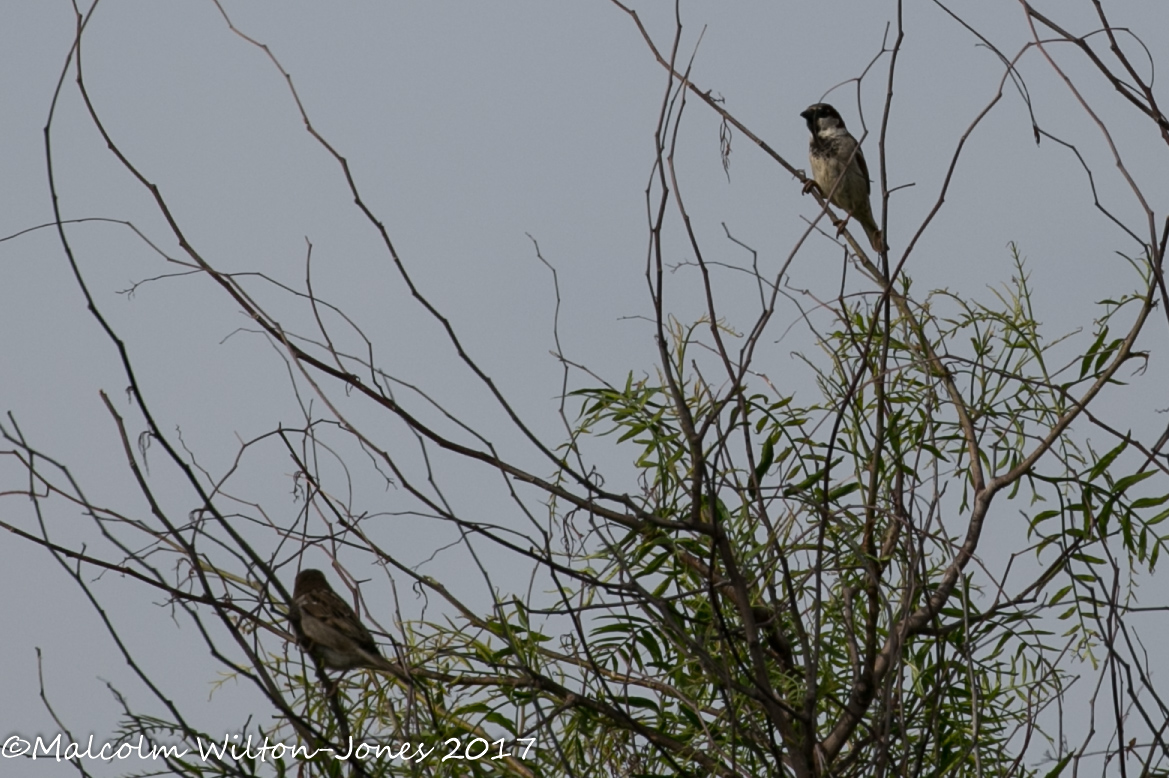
328 628
835 155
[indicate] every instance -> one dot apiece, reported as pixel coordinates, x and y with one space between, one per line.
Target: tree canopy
721 565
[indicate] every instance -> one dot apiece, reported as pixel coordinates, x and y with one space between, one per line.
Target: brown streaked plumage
839 169
328 628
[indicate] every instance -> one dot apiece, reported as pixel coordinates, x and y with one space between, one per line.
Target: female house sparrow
835 155
328 628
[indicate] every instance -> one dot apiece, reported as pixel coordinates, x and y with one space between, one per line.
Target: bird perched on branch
839 169
328 628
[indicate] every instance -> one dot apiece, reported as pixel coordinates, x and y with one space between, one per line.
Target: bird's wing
860 162
332 611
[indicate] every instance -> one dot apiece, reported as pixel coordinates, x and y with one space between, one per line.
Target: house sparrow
328 628
835 155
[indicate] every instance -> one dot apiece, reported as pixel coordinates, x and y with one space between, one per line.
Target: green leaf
766 457
1149 502
843 491
1129 480
1106 460
1059 596
1059 766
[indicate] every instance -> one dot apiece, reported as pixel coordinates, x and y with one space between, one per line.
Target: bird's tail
876 239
